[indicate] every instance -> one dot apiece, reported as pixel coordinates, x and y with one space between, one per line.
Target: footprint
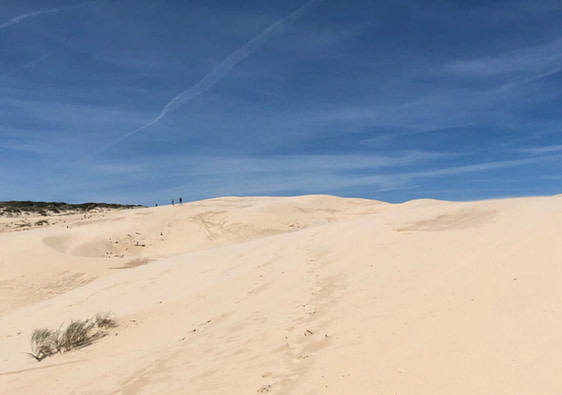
264 388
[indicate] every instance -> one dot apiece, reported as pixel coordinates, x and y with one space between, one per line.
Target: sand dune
304 295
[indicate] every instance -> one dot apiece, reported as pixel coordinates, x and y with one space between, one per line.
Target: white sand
306 295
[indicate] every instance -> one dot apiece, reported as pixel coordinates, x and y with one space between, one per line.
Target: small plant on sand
104 321
42 343
45 342
76 334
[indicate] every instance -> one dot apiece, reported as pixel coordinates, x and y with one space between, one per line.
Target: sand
303 295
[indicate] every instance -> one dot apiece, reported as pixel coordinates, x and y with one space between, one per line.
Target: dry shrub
45 342
104 321
42 343
76 334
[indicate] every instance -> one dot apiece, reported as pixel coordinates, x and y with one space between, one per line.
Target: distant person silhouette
172 202
180 201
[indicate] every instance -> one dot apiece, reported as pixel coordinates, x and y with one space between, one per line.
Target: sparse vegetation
15 208
76 334
104 321
45 341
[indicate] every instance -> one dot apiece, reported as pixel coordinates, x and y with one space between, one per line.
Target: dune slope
304 295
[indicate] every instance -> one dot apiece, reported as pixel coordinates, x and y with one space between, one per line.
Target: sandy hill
304 295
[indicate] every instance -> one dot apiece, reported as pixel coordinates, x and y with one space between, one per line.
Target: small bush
42 343
76 334
45 342
104 321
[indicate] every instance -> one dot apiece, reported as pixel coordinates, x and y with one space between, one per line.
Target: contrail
33 14
26 65
220 71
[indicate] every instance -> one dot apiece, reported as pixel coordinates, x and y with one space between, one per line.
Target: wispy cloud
220 71
520 67
528 80
20 18
549 149
521 60
482 166
292 174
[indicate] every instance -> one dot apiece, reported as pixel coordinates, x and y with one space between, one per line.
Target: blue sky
147 100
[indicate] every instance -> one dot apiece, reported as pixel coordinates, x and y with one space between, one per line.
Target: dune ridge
310 294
